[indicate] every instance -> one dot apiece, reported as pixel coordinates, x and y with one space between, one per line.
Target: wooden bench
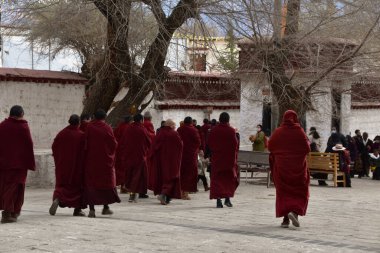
327 163
254 161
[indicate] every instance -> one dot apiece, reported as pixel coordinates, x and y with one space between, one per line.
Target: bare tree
123 42
286 36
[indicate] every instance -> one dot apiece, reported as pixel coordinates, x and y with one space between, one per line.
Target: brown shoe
91 214
207 188
78 212
107 211
285 222
132 198
7 217
162 199
185 196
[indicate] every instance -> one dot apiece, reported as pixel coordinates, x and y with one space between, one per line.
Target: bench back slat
323 161
253 157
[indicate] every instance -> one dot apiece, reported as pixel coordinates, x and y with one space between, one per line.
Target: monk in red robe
189 164
165 163
68 153
100 179
120 170
148 125
16 158
204 133
288 148
134 147
84 121
119 130
224 175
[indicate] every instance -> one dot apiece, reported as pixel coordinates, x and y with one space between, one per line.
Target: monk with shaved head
16 158
164 163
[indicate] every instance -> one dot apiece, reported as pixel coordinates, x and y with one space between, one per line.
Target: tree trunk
117 63
287 95
152 71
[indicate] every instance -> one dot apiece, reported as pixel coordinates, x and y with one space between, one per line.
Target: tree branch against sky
125 42
302 24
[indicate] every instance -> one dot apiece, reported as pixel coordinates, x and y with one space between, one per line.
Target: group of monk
91 160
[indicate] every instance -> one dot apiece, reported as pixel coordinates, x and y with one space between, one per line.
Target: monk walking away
134 147
149 125
189 165
16 158
118 132
99 169
224 175
85 119
164 164
288 148
68 153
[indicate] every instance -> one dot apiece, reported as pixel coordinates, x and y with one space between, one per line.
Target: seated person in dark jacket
374 160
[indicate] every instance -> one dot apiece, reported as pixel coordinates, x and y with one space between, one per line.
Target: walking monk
288 148
16 158
165 163
68 153
224 175
85 119
134 147
120 171
100 180
149 125
189 165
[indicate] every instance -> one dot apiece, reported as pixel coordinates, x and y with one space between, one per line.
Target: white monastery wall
367 120
47 106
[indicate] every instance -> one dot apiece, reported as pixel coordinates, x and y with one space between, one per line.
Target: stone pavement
338 220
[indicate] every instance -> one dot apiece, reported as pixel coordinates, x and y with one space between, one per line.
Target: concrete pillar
321 116
251 106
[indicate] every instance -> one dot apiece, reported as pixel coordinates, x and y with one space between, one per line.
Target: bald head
170 123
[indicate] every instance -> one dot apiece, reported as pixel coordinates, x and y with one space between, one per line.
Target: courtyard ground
338 220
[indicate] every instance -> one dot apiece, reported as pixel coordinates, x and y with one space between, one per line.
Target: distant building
16 52
196 53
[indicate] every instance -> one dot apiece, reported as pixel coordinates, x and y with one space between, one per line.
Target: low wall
44 176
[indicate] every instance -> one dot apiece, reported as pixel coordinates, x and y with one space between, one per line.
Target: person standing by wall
258 140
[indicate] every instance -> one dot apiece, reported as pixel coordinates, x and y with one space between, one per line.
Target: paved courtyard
338 220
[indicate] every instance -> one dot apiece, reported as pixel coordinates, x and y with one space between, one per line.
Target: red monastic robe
16 158
120 171
224 170
150 128
119 130
189 166
68 153
165 163
289 147
204 130
83 126
100 180
134 147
